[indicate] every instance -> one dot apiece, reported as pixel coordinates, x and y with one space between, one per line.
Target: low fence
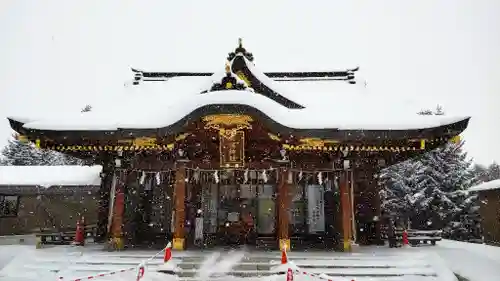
29 239
416 236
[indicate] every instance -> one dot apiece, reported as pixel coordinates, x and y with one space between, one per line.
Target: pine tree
20 154
493 171
17 153
439 110
399 187
447 177
480 172
87 108
431 190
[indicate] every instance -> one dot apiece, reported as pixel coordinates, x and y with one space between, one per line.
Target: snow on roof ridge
489 185
308 118
48 176
270 83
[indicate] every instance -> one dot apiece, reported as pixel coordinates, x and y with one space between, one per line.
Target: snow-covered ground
476 262
376 264
473 261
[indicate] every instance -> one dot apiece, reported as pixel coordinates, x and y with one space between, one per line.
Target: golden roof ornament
240 49
228 67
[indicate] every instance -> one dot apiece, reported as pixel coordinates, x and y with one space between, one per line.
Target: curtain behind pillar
315 208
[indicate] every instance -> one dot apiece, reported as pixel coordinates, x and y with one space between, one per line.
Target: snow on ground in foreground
477 262
374 264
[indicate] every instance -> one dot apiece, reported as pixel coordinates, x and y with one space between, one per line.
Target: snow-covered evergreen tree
443 184
87 108
494 171
17 153
399 186
20 154
431 190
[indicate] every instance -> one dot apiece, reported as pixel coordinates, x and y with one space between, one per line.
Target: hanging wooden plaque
232 149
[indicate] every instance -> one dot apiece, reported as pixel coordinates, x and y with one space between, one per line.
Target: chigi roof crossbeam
347 75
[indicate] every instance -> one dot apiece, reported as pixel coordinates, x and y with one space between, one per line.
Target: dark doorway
236 213
149 209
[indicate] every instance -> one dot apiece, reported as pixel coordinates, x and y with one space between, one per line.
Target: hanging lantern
196 175
216 176
320 178
158 178
143 178
245 176
264 176
328 184
336 184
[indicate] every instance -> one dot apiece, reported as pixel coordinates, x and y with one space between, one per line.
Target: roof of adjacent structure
308 102
47 176
489 185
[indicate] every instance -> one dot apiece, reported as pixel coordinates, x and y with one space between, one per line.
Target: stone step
357 278
239 266
236 273
338 272
249 259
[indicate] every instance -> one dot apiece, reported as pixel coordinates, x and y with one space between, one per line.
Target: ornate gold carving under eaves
227 124
145 141
316 142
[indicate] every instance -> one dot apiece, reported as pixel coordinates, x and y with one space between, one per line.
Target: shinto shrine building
242 156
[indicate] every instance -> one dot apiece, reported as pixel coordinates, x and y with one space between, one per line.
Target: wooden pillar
179 207
346 210
352 200
103 205
376 201
284 203
117 209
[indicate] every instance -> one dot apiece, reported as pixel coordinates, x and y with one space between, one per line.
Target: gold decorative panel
227 124
232 150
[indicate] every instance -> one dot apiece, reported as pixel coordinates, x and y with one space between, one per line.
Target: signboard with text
232 149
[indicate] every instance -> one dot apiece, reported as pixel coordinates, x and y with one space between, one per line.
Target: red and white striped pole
289 275
101 274
140 272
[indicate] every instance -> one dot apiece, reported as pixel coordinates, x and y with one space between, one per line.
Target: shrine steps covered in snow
372 263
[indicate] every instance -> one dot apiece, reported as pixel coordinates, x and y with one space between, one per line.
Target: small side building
35 198
489 196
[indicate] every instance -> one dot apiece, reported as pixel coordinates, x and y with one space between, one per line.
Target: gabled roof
341 124
489 185
300 107
242 66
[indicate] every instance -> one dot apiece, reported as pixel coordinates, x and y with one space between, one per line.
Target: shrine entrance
234 211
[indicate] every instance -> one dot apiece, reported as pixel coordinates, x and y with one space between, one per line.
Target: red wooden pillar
179 207
118 211
284 203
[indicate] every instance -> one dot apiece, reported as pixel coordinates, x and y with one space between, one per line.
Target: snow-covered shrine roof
334 102
489 185
47 176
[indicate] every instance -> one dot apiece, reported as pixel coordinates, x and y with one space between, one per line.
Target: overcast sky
58 56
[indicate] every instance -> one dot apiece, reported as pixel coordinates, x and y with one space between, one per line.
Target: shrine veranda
189 166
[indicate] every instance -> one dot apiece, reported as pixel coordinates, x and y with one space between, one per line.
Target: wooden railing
416 237
64 236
